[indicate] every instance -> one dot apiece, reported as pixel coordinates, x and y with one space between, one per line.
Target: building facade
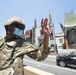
69 29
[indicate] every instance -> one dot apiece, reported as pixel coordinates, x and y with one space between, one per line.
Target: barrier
33 71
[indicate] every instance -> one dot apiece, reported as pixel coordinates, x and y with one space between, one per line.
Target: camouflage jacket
12 49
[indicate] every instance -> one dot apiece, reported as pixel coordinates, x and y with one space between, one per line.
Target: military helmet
15 20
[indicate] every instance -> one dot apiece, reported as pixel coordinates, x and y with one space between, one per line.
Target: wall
58 37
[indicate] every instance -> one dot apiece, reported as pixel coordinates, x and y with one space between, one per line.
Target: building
69 29
28 35
36 36
39 35
59 40
52 39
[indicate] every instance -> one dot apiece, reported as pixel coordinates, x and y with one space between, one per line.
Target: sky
28 10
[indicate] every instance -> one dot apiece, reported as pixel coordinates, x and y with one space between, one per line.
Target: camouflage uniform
12 52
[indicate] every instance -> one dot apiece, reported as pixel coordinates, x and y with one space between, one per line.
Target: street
49 65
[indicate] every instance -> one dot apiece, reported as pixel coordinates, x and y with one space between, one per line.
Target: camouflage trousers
8 71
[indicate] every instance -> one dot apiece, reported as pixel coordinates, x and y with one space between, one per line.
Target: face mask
18 31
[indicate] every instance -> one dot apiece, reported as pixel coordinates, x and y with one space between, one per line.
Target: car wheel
62 63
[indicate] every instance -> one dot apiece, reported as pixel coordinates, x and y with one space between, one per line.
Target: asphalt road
49 65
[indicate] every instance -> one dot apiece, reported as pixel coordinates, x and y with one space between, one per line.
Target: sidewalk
53 55
62 51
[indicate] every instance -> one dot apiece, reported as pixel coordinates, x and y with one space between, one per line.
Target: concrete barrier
33 71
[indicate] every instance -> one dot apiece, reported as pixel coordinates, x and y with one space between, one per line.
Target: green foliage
64 46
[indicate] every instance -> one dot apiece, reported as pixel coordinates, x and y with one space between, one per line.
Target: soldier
13 47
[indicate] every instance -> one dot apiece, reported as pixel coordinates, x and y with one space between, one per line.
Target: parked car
67 59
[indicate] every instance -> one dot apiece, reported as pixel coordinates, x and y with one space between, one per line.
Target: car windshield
71 53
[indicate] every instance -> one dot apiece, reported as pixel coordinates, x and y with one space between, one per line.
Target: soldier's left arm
39 53
43 50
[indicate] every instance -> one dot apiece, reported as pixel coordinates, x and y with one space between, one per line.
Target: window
60 40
